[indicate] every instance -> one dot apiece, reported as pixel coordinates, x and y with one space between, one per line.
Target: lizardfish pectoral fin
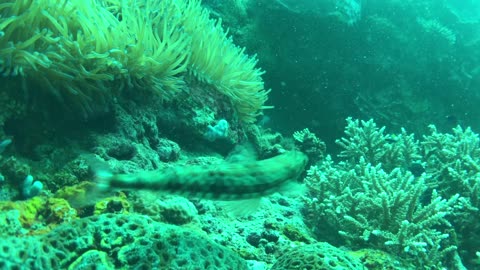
240 208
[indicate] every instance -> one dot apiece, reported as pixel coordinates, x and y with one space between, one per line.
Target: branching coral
309 144
376 197
453 164
453 161
366 140
372 208
84 51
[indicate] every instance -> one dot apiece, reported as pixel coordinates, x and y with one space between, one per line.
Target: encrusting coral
84 51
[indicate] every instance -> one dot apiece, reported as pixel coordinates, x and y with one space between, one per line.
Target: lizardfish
225 181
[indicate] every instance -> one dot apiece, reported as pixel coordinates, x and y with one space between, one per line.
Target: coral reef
452 164
258 236
169 209
395 199
41 211
138 240
376 195
371 208
321 256
31 187
158 88
310 144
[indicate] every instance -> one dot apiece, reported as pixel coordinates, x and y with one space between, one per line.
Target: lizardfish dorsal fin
242 153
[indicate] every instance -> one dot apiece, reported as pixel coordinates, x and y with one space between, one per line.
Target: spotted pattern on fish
226 181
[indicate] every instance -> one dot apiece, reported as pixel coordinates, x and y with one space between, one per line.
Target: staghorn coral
367 141
368 207
310 144
453 161
376 195
453 164
84 52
